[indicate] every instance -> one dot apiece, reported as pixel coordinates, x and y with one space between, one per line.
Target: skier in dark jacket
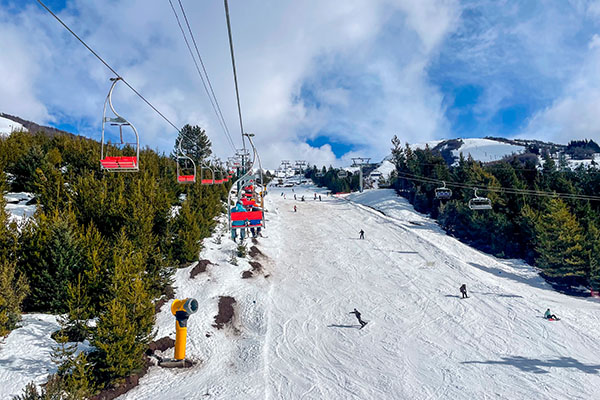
362 234
360 321
463 290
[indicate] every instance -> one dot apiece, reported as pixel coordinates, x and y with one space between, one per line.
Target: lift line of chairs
129 143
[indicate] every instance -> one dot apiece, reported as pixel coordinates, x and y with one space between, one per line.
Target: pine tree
118 353
124 328
74 322
560 243
50 257
194 143
13 290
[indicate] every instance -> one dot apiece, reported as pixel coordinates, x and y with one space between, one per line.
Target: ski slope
293 336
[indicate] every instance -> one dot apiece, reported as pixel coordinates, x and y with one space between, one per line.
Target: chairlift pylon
118 163
443 193
480 203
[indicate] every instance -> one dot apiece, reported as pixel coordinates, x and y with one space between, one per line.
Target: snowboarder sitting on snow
463 290
360 321
549 315
362 234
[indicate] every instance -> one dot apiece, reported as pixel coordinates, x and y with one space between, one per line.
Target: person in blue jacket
238 208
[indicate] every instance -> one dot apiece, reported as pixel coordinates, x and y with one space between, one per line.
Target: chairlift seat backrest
480 203
443 193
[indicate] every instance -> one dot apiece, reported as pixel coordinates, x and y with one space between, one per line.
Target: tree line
100 247
560 236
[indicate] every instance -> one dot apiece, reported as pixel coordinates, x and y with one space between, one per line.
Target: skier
315 196
294 196
360 321
362 234
302 199
463 290
319 197
549 315
295 209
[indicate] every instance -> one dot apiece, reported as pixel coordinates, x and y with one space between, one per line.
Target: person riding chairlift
239 207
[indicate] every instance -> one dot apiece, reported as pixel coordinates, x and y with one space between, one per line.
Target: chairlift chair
206 181
120 163
319 174
480 203
443 193
186 169
342 173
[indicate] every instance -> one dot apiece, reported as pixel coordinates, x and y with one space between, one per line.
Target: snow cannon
182 309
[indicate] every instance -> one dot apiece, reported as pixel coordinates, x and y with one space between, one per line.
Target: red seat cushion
125 162
186 178
246 215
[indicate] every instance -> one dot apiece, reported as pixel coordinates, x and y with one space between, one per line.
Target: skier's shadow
343 326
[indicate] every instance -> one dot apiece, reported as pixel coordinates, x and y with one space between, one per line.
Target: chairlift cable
237 91
206 74
212 102
527 192
108 66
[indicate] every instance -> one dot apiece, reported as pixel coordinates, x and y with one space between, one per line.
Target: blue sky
321 81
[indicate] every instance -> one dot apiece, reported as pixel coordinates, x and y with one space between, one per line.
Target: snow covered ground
7 126
17 207
25 354
293 337
487 150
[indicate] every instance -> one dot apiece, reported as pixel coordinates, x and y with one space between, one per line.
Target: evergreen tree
194 143
50 255
13 290
560 243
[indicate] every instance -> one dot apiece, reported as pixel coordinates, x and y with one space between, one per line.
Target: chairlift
443 193
206 181
319 174
342 173
120 163
186 167
480 203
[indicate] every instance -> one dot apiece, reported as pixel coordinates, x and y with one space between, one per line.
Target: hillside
292 337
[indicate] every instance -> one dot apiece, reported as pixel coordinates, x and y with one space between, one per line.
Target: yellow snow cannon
182 309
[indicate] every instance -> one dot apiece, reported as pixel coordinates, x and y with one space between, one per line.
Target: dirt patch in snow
226 311
200 268
247 274
254 252
168 295
256 268
161 344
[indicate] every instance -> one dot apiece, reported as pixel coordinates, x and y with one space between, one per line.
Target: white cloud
280 46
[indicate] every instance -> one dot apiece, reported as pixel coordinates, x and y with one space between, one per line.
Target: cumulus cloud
353 70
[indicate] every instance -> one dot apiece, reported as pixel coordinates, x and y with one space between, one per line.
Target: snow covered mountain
7 126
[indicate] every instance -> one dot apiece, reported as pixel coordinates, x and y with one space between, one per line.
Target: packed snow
292 336
8 126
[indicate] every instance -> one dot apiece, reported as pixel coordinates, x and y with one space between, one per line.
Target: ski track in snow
293 336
